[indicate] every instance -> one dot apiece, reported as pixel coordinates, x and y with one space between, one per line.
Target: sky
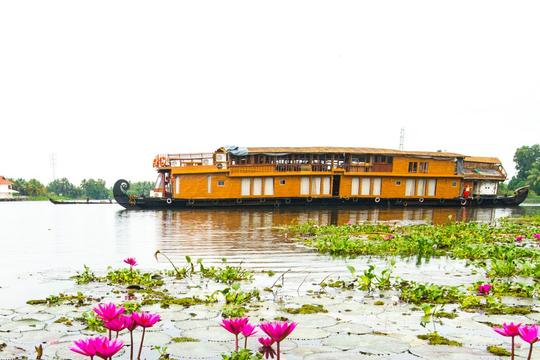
107 85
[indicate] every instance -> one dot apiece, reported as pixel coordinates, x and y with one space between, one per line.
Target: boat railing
366 167
270 168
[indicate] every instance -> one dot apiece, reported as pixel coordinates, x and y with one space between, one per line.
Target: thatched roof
481 159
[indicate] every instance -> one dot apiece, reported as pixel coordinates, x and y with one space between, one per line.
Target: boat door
336 181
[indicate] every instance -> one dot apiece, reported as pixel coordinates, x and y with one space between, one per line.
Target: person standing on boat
467 192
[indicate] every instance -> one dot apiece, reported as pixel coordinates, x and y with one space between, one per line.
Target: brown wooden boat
324 176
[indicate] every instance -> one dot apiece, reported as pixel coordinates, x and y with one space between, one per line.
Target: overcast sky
105 85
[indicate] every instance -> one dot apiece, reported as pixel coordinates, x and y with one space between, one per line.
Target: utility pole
401 139
53 165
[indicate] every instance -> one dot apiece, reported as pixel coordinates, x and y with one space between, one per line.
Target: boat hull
140 202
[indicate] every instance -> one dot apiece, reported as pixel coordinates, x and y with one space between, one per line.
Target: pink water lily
519 238
529 333
278 331
235 327
509 330
130 325
84 347
266 348
484 289
108 312
100 346
131 262
144 320
248 330
536 236
117 324
107 348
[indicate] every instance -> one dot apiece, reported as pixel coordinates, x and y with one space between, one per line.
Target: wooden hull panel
139 202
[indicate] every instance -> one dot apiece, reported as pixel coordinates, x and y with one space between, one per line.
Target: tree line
88 188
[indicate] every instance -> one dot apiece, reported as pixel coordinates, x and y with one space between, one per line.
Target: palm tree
534 177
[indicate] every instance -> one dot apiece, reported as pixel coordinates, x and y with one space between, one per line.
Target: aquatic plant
247 331
235 296
228 274
144 320
235 327
162 351
85 277
132 277
498 350
278 331
519 238
266 348
131 262
100 346
108 312
243 354
509 330
418 293
435 339
529 333
78 300
484 289
306 309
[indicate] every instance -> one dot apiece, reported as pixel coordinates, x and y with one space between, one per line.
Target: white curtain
246 184
269 186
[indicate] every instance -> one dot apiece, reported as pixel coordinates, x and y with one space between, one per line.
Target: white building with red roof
6 191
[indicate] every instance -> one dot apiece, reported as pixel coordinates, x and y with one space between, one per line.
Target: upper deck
261 161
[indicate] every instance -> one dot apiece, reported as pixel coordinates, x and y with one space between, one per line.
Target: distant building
6 192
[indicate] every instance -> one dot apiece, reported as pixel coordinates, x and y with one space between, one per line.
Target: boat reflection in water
243 233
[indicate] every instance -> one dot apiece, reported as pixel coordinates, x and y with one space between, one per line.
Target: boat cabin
324 172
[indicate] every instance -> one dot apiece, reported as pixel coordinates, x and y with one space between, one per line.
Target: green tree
140 188
19 185
35 188
525 158
95 189
533 179
64 187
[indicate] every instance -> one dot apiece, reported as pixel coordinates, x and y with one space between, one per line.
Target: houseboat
324 176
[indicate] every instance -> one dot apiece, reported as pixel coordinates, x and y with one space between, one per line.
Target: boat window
177 183
282 182
304 185
398 182
424 167
421 187
409 187
454 183
376 186
158 182
221 183
246 186
269 186
326 185
355 185
364 186
413 167
432 186
257 186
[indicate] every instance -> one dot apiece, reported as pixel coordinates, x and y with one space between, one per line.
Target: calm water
40 240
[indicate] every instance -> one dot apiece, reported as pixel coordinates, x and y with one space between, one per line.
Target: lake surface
41 241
